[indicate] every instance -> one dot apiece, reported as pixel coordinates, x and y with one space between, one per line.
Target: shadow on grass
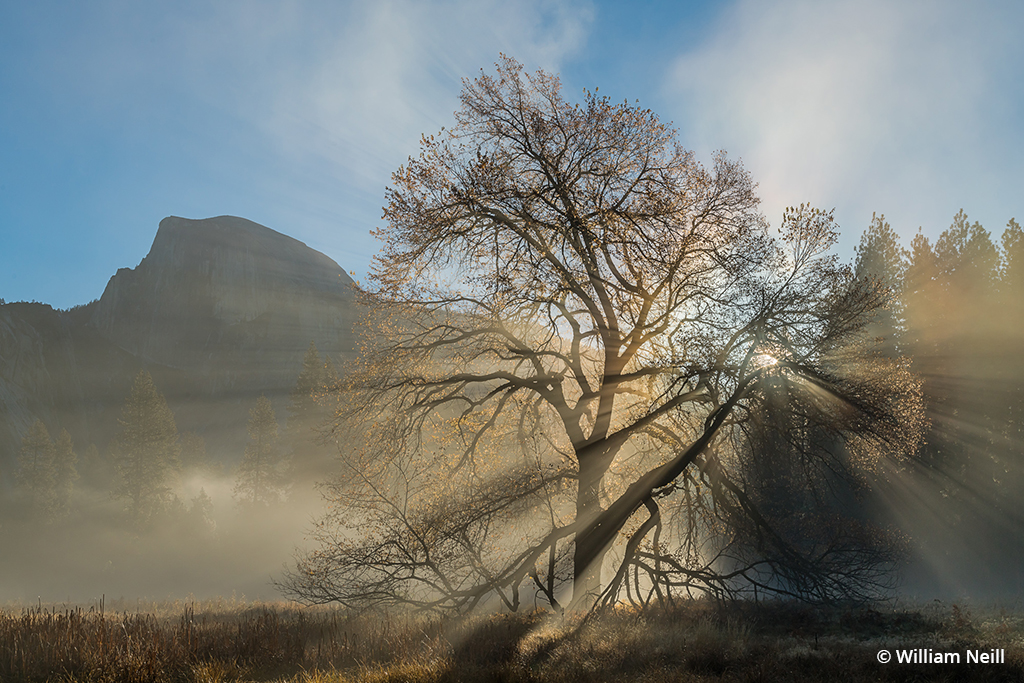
692 641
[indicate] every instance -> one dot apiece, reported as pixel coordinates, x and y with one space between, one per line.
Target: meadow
232 640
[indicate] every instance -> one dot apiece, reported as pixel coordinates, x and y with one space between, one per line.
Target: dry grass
697 641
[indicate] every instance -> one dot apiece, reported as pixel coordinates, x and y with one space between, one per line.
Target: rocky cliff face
220 311
220 285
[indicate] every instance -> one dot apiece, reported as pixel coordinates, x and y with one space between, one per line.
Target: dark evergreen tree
882 259
968 270
954 316
920 296
261 474
967 261
36 474
65 473
1011 273
200 514
1011 287
308 413
145 452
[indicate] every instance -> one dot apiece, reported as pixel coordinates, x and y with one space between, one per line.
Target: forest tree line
952 316
143 465
957 311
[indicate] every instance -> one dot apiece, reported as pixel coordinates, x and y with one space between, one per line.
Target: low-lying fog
227 550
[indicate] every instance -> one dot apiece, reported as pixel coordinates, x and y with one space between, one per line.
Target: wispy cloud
393 71
291 113
894 107
295 112
345 92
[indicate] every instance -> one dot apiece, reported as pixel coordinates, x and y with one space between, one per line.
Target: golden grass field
230 640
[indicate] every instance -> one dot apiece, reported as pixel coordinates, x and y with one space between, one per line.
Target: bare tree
576 324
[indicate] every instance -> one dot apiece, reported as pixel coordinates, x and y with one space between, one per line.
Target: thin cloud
356 86
892 107
293 114
395 73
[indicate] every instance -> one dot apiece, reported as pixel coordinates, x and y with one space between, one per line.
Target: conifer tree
261 474
307 413
146 450
881 259
65 473
201 513
952 318
36 473
1011 295
1011 272
308 383
968 263
921 293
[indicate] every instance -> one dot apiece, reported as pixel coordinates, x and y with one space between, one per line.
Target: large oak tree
576 326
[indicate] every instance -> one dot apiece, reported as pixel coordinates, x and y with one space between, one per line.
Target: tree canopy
37 471
579 336
307 413
145 451
261 474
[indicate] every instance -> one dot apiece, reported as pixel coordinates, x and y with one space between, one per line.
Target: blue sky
294 114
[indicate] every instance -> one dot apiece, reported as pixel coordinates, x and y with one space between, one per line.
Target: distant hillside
220 311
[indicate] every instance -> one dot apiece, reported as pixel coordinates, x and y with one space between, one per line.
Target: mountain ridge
221 310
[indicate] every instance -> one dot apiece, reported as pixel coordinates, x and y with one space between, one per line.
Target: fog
234 550
77 522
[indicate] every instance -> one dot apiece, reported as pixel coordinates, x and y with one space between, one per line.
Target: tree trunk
586 586
602 526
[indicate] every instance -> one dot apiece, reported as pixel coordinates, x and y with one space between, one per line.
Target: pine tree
261 474
921 294
1011 272
200 513
1011 306
952 312
881 258
307 412
65 473
146 451
968 263
307 385
36 473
